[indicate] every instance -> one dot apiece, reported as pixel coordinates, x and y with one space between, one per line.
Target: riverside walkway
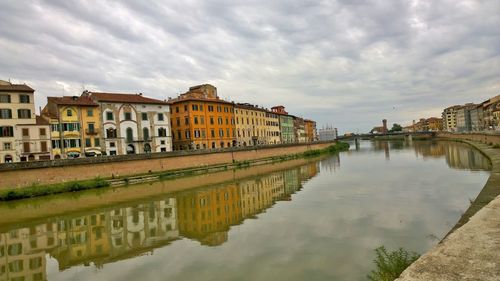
472 250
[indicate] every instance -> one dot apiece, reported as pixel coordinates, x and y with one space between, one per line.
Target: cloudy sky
349 63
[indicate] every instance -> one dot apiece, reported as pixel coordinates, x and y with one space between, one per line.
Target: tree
396 128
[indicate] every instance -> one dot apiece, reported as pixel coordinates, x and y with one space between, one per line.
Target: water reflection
117 233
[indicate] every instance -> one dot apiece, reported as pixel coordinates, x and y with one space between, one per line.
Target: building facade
273 128
17 107
132 123
449 117
310 128
251 128
75 125
286 124
327 133
201 120
33 141
299 130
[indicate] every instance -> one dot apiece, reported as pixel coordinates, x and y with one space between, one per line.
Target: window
212 133
178 121
130 134
5 114
112 144
24 113
91 128
145 133
43 146
187 134
202 120
54 127
24 98
186 120
196 133
144 116
90 112
179 134
219 108
109 115
219 121
69 112
26 132
162 132
185 108
26 146
221 132
128 116
97 142
43 132
176 109
201 107
211 108
111 133
160 117
88 143
4 98
194 107
7 145
56 144
72 143
196 120
211 120
203 135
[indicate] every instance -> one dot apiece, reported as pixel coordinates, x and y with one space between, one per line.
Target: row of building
121 232
472 117
98 123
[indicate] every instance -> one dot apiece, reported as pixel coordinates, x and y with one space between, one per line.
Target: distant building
327 133
491 113
132 123
299 130
468 118
23 136
286 124
311 132
202 120
251 126
449 117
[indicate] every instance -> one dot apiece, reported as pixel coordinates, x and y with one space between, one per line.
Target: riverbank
471 251
72 186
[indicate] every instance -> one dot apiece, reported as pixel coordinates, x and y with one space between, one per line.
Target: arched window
130 134
110 133
145 133
8 158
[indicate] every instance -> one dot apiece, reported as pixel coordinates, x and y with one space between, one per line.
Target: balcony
91 132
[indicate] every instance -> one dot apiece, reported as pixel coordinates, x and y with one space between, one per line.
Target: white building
327 133
133 123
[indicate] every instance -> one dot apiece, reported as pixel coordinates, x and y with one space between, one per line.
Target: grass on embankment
339 146
42 190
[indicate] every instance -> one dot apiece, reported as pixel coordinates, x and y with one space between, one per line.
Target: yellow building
273 128
75 126
251 126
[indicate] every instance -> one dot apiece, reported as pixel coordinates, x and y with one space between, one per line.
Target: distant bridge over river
389 136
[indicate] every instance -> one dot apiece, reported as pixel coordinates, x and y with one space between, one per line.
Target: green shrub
391 264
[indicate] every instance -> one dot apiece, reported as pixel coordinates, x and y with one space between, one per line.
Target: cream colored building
273 128
33 141
251 126
449 116
17 107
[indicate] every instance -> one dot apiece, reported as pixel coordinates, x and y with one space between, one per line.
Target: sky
346 63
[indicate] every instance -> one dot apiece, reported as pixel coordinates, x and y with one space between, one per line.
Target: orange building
207 214
310 128
201 120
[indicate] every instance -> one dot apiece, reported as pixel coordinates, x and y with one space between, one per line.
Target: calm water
318 221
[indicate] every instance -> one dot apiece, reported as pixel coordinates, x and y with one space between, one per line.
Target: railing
91 132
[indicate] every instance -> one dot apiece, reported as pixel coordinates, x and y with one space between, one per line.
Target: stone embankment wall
479 137
50 172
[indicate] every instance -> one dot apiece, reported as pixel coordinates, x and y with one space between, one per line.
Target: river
306 219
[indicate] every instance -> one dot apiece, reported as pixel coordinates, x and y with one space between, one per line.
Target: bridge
388 136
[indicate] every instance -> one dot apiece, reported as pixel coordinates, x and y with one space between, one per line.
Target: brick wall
49 172
480 137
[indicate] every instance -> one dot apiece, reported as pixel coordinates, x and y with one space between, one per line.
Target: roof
15 88
249 107
123 98
41 121
177 100
72 100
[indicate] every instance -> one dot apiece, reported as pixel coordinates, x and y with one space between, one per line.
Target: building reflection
457 155
121 232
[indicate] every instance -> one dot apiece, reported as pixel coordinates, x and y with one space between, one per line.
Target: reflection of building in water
113 235
330 164
108 235
426 149
460 157
22 252
258 194
206 214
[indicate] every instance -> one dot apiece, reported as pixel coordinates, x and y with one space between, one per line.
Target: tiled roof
41 121
123 98
177 100
16 88
249 107
68 100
